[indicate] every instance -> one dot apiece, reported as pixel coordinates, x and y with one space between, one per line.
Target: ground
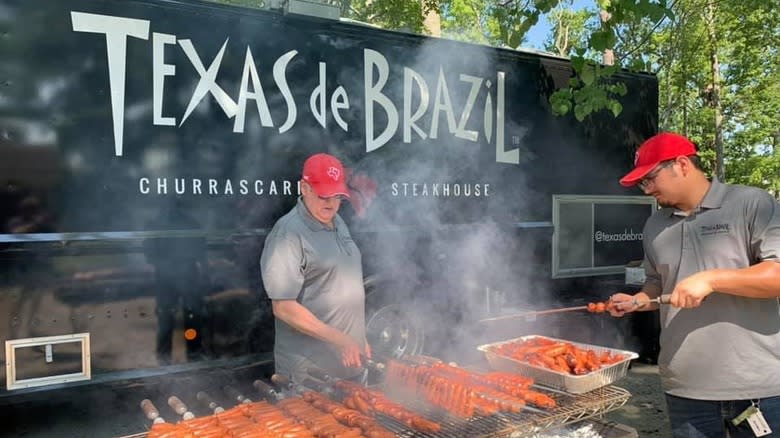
646 409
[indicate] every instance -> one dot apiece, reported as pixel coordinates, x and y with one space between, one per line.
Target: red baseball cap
660 147
326 175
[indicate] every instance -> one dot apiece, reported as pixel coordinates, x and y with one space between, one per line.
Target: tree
570 28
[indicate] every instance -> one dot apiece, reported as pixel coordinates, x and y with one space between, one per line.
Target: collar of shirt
310 221
713 199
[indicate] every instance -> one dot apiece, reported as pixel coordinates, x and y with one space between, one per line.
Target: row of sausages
311 416
463 393
375 401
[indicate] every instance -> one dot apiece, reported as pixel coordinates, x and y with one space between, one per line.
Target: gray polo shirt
729 347
321 268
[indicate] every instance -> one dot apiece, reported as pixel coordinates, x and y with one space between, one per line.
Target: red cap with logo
660 147
326 175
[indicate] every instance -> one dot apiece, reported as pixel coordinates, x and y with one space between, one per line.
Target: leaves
663 37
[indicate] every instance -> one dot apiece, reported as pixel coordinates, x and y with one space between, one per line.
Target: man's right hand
351 352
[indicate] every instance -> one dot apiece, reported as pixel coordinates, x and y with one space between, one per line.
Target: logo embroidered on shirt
710 230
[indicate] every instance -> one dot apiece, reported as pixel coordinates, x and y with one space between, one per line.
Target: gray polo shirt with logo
729 347
321 268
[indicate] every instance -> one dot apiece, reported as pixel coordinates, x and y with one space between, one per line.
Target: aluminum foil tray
555 379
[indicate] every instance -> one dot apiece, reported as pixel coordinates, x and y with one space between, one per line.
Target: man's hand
622 304
690 292
351 352
301 319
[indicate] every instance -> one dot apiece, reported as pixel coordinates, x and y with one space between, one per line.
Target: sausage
424 425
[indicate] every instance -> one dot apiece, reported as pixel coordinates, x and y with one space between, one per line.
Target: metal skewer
663 299
534 313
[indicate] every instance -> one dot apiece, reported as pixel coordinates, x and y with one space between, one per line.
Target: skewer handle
208 401
319 374
268 393
180 408
236 395
151 412
315 385
281 381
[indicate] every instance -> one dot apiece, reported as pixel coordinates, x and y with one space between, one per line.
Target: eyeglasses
339 197
649 179
324 198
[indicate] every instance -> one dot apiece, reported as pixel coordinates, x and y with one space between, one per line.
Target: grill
572 408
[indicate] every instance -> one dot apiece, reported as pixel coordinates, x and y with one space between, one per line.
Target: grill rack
572 408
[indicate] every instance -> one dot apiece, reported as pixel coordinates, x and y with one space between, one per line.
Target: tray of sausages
569 366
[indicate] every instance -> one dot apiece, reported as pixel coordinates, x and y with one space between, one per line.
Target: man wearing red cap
312 272
715 248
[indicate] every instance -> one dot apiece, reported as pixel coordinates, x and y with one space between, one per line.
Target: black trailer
146 148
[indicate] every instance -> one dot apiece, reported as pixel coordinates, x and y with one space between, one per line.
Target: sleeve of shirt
765 229
281 265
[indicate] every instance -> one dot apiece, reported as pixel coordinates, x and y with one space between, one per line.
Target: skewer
180 408
208 401
151 411
663 299
267 391
319 374
236 395
282 382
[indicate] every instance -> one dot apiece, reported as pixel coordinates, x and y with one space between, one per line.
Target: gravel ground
646 409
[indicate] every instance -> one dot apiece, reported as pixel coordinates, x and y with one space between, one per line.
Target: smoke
444 257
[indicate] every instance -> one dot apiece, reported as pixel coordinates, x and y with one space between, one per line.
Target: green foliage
669 39
748 39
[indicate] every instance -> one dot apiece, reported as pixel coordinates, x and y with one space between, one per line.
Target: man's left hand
690 292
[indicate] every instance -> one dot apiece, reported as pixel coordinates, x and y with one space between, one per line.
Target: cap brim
632 178
330 190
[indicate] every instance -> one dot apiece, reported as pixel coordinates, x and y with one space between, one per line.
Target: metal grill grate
571 408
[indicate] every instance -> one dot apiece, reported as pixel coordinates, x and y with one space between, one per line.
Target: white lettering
159 71
116 29
207 82
371 59
409 118
442 103
502 155
461 131
280 66
250 72
143 186
338 102
318 96
627 235
487 115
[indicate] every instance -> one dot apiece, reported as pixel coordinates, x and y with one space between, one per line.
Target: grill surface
571 408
